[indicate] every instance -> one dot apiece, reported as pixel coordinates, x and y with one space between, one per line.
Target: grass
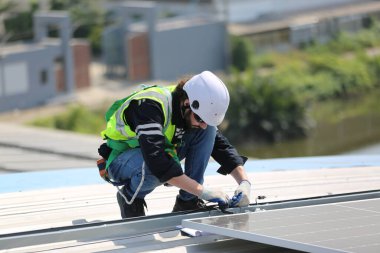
76 118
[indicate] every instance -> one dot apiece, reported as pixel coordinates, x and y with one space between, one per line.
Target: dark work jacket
162 165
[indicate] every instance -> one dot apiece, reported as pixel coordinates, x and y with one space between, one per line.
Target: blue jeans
196 147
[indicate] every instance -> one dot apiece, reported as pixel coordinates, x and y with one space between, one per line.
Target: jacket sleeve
146 119
226 155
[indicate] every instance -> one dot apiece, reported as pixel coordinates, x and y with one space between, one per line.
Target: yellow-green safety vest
119 135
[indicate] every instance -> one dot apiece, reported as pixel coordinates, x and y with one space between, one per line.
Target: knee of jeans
114 171
148 185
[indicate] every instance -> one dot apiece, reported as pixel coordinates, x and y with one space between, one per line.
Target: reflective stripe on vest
117 129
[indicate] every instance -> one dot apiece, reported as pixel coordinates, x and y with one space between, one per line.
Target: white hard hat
209 97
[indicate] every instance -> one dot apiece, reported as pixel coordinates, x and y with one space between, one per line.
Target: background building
299 27
33 73
151 40
163 48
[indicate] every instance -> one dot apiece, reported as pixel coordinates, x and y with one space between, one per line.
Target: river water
340 127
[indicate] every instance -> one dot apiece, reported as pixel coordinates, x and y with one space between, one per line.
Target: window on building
15 78
43 77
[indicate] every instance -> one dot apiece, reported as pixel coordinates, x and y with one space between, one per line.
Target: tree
87 18
5 6
19 26
241 53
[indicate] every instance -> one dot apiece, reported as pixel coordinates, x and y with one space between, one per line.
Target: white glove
216 196
244 189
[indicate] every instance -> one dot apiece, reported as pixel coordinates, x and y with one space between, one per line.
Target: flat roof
75 209
304 18
14 48
18 48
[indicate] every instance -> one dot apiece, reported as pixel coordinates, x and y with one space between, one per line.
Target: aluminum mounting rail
140 226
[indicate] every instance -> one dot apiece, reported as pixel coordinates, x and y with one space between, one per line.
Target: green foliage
350 42
263 110
349 76
267 60
271 98
77 118
20 25
241 53
6 6
88 20
95 38
87 17
321 74
373 68
60 4
295 75
271 94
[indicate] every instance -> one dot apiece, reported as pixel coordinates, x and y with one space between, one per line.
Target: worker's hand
216 196
242 194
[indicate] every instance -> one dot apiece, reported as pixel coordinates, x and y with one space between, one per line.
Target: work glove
242 195
216 196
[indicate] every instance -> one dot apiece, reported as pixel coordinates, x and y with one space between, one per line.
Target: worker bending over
149 132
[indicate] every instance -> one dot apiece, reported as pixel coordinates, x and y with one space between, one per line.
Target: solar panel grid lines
352 226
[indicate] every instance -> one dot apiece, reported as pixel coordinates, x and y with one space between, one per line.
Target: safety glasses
197 118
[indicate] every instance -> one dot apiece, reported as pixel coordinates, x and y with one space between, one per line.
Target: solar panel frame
352 226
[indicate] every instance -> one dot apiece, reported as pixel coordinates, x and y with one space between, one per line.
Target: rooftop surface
49 180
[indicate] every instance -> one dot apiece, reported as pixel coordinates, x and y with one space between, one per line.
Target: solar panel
352 226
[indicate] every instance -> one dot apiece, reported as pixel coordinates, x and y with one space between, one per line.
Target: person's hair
179 91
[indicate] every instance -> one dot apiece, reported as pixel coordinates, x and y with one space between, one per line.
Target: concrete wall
187 50
25 81
172 47
81 60
31 76
113 50
41 23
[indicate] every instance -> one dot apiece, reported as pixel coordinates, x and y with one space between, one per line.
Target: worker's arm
187 184
190 185
232 163
244 188
226 155
146 118
239 174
